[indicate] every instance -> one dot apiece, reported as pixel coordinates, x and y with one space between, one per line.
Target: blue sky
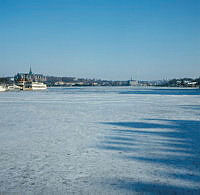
108 39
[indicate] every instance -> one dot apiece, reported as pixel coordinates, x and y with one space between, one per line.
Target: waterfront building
30 77
30 81
133 82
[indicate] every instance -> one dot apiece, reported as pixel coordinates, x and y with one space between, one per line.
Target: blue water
132 90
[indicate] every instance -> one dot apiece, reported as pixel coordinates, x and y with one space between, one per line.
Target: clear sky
107 39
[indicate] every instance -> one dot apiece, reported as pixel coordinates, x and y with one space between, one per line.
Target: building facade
30 77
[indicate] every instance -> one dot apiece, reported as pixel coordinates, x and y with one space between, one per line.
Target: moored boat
13 88
2 88
34 86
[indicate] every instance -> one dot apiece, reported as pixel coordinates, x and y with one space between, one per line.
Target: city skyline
148 40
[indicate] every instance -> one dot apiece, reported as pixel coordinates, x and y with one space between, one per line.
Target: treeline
6 80
72 81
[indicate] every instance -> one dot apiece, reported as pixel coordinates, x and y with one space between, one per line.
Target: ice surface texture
100 140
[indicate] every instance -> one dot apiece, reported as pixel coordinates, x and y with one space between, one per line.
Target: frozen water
100 140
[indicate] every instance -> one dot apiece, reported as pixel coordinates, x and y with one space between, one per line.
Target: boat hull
2 89
34 86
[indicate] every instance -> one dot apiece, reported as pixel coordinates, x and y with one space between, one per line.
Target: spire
30 72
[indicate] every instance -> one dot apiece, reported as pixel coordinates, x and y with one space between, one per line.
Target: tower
30 71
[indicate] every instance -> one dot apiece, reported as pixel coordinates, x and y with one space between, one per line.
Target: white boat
34 86
2 88
20 84
13 87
